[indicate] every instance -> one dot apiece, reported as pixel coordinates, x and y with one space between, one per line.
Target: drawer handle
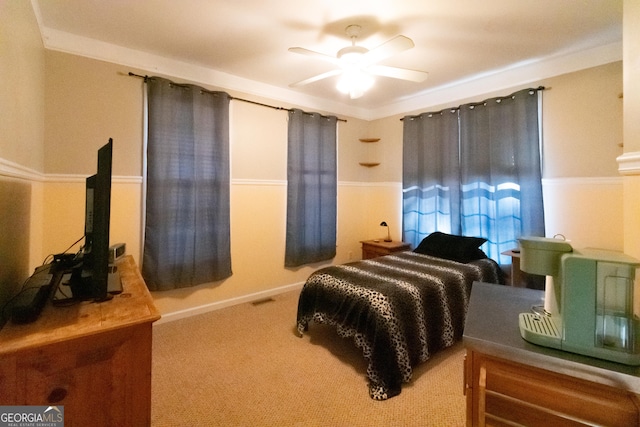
57 394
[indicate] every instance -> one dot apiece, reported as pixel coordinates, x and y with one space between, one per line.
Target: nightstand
519 278
376 248
516 276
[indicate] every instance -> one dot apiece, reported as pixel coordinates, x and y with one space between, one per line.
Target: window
475 170
187 226
311 188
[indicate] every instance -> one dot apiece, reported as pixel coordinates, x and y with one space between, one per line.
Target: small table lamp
384 224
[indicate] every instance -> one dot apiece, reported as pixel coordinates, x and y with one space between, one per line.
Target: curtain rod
233 97
454 109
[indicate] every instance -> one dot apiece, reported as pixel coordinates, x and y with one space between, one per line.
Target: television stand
93 359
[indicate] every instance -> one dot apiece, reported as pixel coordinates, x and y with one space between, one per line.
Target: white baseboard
257 296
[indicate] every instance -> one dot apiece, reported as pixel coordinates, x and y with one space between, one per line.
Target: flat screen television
90 280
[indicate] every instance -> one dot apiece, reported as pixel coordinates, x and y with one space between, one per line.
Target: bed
399 308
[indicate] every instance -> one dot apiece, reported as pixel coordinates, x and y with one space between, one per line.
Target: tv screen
91 279
101 216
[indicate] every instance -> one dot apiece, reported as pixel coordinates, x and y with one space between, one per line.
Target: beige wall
22 88
21 145
631 57
582 138
15 197
587 211
86 101
64 200
583 123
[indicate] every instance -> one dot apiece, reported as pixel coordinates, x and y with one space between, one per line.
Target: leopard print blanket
399 309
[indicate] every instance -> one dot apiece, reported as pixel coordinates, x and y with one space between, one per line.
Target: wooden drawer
100 380
506 393
373 248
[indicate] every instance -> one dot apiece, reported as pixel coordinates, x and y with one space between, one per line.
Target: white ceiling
242 44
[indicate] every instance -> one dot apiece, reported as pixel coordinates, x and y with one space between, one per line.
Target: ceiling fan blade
316 78
398 73
391 47
314 54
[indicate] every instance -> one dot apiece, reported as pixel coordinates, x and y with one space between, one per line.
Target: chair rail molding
10 169
629 163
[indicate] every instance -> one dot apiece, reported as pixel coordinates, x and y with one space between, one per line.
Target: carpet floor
245 366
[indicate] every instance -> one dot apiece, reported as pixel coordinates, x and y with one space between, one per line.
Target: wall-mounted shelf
369 164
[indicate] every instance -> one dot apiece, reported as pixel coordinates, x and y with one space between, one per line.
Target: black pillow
449 246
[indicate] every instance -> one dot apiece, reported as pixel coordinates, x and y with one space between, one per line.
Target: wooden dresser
375 248
509 381
92 358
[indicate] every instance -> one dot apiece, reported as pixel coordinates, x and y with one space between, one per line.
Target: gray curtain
431 175
501 172
187 229
475 170
311 188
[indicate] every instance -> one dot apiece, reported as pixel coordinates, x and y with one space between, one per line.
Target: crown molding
518 74
90 48
509 77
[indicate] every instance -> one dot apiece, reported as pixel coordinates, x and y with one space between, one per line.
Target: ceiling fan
357 64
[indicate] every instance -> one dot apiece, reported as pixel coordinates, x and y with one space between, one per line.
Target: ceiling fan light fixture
357 64
354 82
351 55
